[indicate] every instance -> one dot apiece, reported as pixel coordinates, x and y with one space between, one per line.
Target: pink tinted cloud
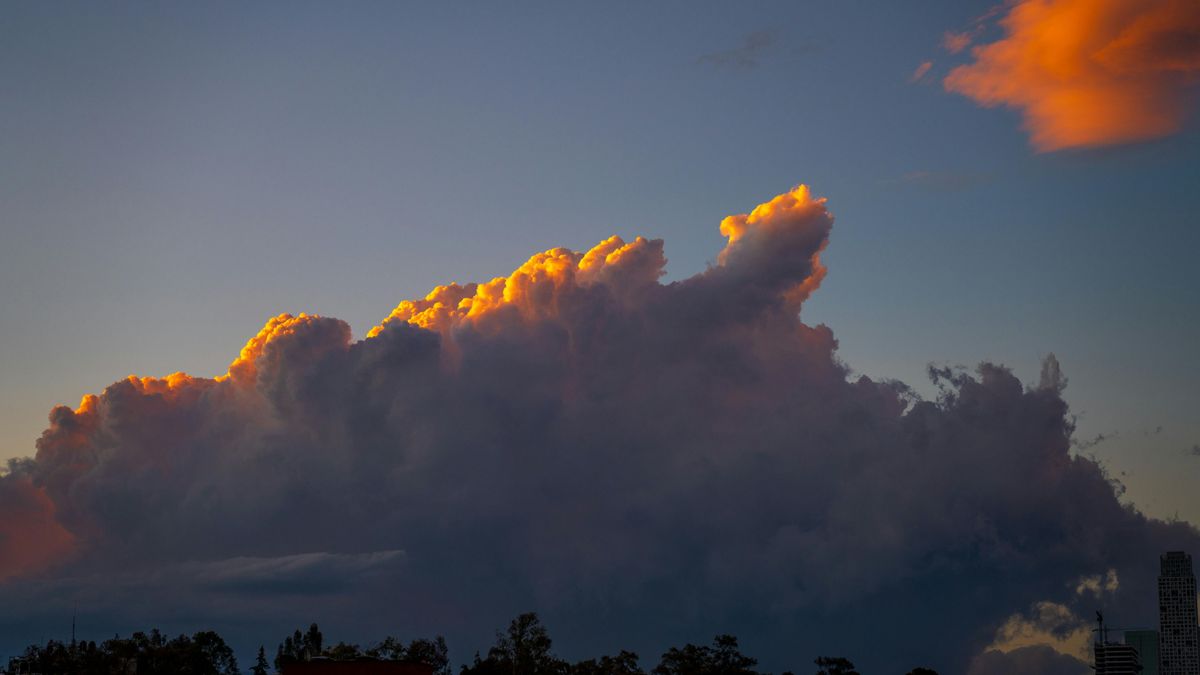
1089 72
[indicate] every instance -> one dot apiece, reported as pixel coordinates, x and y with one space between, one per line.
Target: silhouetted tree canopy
922 671
430 652
260 663
311 644
524 648
314 640
835 665
722 658
300 646
204 653
624 663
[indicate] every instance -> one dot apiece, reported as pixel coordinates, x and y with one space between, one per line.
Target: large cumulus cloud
644 463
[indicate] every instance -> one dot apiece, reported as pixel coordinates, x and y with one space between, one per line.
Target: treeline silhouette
523 649
204 653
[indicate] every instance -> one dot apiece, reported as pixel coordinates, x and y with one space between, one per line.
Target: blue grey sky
171 175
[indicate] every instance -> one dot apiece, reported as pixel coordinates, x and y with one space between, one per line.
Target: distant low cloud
1088 73
1052 625
1034 660
745 56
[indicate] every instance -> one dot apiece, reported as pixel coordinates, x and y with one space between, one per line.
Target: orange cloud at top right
1088 73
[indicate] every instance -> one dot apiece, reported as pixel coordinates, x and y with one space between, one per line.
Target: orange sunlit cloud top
533 289
1089 72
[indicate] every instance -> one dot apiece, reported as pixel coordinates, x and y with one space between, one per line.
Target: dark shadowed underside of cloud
642 463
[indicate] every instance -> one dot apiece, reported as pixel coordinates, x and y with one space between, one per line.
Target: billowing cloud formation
1089 72
642 463
1034 660
30 537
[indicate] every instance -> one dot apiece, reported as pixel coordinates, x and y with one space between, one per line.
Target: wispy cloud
745 56
921 71
955 42
1089 443
317 572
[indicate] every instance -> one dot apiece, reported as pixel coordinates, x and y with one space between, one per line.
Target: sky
174 176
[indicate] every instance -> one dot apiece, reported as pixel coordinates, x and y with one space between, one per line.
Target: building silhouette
1178 634
1113 658
1116 658
1146 644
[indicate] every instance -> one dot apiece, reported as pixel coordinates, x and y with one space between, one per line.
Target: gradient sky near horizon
173 175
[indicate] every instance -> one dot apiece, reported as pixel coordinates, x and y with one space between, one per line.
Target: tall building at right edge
1178 634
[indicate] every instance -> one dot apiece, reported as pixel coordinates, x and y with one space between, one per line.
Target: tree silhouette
204 653
212 655
835 665
260 664
922 671
343 651
624 663
388 649
524 649
430 652
314 641
722 658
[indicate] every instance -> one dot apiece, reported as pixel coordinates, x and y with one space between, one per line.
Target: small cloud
1194 451
956 42
743 57
1087 444
921 71
1098 585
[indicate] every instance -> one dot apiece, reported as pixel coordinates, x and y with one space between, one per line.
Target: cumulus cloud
1089 72
643 463
30 536
1033 660
1046 624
